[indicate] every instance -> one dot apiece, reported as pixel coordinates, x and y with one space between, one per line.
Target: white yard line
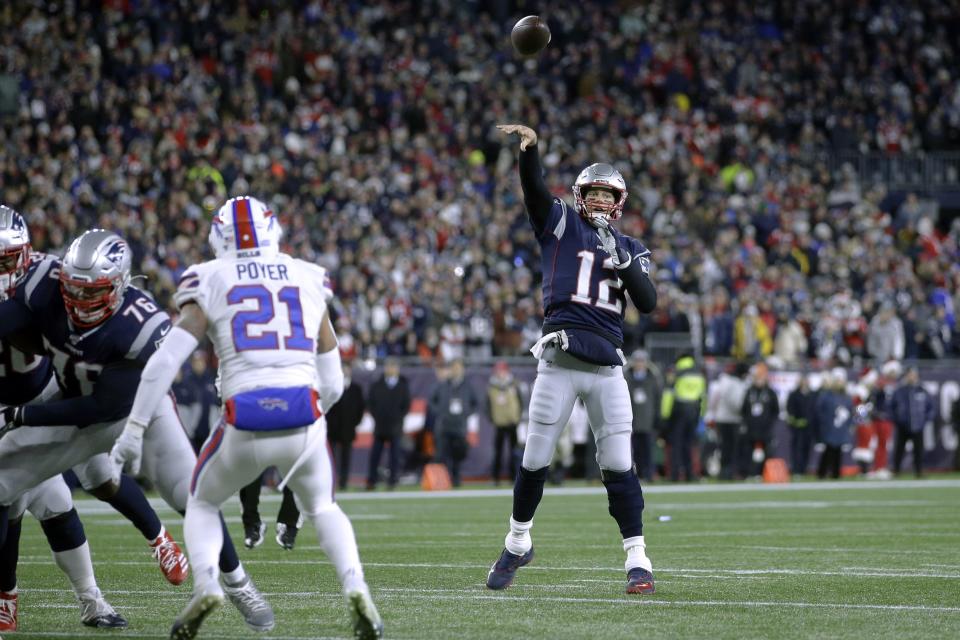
466 596
91 506
859 572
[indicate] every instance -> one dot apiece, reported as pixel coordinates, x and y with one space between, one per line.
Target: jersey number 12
605 288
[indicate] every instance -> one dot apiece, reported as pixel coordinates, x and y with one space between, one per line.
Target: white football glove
128 449
607 239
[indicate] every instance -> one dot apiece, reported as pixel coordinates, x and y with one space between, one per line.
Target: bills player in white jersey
266 314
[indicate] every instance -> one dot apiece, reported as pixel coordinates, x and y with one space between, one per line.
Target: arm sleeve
111 400
638 285
158 374
330 374
536 196
15 316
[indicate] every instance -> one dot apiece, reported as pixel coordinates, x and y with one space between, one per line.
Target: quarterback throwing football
588 266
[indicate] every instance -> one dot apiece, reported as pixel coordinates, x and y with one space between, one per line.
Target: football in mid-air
530 35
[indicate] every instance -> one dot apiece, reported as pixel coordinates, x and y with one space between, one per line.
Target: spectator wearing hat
681 407
504 408
724 408
645 386
388 403
912 410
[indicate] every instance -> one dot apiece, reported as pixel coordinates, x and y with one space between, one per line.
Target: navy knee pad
64 532
625 498
527 492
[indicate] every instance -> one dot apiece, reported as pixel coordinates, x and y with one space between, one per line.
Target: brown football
530 35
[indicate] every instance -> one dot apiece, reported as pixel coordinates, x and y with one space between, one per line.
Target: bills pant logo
269 404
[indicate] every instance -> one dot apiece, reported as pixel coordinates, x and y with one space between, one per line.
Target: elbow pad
330 377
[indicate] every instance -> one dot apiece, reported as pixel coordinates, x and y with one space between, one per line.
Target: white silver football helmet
604 176
14 250
244 226
94 276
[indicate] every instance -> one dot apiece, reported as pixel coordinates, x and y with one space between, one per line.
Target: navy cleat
502 572
640 581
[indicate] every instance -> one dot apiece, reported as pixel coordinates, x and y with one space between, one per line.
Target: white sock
335 534
77 565
518 541
235 577
163 531
636 550
204 538
12 592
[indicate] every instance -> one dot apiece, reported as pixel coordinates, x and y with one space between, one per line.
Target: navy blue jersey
129 336
22 376
582 292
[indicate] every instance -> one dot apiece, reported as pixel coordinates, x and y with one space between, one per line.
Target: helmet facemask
593 190
14 262
14 250
90 303
94 276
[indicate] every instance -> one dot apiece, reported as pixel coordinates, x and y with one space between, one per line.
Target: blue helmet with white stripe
244 226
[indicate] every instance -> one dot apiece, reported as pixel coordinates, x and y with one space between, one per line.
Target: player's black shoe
640 581
253 534
502 572
286 536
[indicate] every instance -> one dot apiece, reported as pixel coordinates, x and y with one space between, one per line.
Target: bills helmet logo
270 404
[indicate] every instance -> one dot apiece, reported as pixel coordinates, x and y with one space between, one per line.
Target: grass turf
852 560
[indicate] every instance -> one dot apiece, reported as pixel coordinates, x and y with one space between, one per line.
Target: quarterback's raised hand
527 135
128 449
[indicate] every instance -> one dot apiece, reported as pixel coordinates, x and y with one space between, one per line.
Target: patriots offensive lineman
99 331
25 381
587 264
25 378
266 314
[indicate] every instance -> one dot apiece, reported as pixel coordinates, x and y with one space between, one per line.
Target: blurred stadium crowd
370 128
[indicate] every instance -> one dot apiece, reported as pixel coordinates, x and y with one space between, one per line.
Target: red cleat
8 611
172 562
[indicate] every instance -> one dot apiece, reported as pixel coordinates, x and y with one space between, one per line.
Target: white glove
128 449
607 239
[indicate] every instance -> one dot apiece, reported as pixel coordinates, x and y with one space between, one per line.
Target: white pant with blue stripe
231 459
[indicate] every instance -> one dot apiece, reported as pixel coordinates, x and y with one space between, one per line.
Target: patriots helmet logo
115 252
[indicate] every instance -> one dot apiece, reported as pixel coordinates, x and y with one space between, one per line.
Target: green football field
838 560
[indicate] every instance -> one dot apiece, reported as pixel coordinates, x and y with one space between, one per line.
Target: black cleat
253 534
502 572
286 536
